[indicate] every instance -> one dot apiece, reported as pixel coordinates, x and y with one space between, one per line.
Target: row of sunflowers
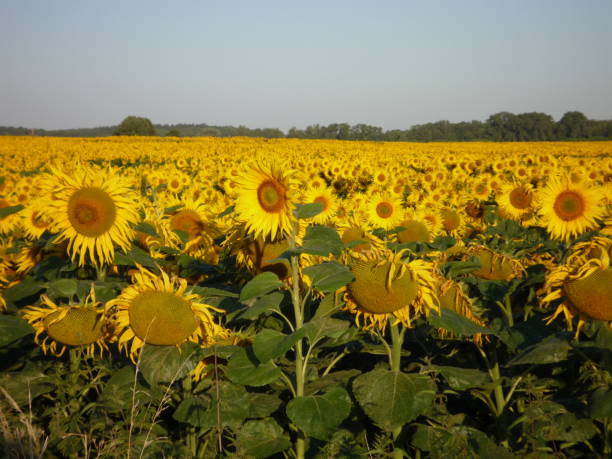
117 248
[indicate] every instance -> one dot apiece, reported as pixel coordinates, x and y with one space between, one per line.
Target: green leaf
456 323
463 378
162 364
319 415
65 288
264 305
321 240
262 405
329 276
146 228
600 403
25 385
244 368
270 344
6 211
24 289
227 211
325 327
391 399
260 285
261 438
551 350
308 210
135 256
193 411
327 306
453 269
208 292
13 328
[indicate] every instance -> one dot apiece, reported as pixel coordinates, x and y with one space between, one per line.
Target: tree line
502 126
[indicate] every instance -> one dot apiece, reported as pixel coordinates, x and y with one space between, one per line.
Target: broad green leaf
261 438
600 403
456 323
326 307
25 385
321 240
6 211
119 390
65 288
13 328
463 378
262 405
319 415
24 289
452 269
260 285
162 364
208 292
391 399
263 305
270 344
329 276
551 350
325 327
135 256
203 412
244 368
309 210
146 228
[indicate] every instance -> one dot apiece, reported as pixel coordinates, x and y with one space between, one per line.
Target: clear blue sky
393 64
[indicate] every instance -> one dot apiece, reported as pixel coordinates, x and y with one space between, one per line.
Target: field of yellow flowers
240 297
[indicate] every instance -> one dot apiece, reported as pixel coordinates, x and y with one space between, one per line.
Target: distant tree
173 133
135 125
573 125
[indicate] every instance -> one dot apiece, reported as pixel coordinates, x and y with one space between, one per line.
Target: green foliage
135 125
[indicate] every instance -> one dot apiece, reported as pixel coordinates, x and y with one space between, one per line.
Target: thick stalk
397 339
192 443
300 444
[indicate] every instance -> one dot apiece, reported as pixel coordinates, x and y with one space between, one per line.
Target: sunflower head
494 265
158 310
453 297
82 325
387 286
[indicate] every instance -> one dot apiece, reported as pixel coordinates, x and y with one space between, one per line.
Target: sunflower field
254 298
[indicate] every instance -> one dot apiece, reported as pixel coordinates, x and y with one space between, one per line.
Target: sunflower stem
300 367
397 340
101 273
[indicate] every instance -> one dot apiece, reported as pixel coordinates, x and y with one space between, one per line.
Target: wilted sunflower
265 201
387 286
495 265
93 210
81 325
158 310
583 284
569 209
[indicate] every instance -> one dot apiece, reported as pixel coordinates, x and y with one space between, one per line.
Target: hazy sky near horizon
68 64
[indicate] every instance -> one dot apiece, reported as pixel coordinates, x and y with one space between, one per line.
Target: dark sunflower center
474 210
161 318
38 221
91 211
188 221
384 210
592 295
370 292
519 198
323 200
79 327
415 231
271 196
569 205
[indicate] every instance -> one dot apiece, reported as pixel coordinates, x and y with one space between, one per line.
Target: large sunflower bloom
93 210
265 201
158 310
389 287
570 209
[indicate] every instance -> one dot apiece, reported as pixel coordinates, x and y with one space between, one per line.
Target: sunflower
387 286
453 297
583 284
93 210
359 242
416 229
569 209
82 325
265 201
495 265
384 210
191 219
33 219
158 310
516 201
326 197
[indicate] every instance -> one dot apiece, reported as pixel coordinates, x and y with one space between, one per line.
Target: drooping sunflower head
495 265
582 286
452 296
94 210
82 325
570 209
265 200
158 310
388 286
359 241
